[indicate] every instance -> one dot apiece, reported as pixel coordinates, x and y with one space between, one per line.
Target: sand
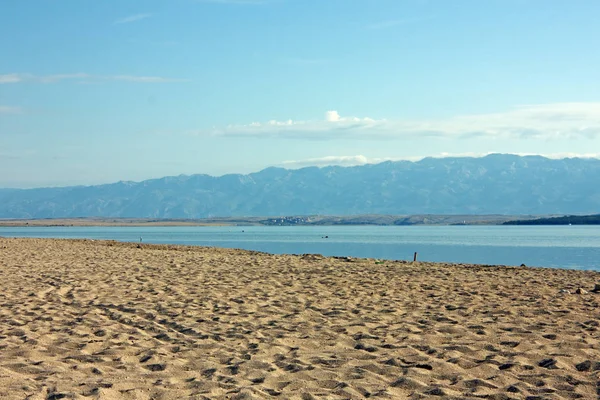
107 320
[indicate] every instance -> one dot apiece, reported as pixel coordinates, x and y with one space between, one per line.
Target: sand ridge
109 320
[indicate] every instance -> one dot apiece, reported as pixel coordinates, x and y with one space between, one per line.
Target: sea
572 247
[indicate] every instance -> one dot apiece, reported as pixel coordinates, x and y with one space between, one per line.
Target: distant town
285 221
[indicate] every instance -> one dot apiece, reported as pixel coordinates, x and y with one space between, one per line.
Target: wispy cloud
140 79
560 156
9 156
239 2
10 78
305 61
10 110
132 18
16 155
81 77
544 122
164 43
346 161
391 23
349 161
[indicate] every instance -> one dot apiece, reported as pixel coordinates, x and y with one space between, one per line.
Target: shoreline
316 220
191 248
408 256
108 319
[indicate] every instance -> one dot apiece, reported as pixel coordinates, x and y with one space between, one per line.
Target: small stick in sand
415 257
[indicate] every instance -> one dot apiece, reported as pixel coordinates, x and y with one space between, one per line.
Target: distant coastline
565 220
314 220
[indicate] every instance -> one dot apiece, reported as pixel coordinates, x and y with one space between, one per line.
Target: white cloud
332 116
10 110
133 18
10 78
348 161
545 121
81 77
329 160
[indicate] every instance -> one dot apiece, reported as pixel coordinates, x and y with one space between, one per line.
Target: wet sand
107 320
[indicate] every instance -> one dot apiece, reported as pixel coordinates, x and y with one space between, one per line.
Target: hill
566 220
495 184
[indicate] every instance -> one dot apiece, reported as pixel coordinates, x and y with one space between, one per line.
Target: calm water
548 246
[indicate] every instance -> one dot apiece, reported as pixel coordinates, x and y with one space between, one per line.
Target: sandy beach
108 320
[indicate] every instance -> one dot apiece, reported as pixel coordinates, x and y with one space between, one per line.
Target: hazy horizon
97 92
343 162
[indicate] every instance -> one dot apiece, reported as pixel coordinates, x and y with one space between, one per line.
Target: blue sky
101 91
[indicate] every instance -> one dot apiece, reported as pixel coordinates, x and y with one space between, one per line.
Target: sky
100 91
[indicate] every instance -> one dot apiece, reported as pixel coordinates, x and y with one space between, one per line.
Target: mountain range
494 184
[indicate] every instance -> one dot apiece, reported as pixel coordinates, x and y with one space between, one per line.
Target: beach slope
107 320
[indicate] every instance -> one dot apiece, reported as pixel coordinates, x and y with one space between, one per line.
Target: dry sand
92 319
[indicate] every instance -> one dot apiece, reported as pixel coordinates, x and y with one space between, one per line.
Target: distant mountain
495 184
566 220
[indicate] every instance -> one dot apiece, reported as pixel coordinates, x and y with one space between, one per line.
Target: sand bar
106 320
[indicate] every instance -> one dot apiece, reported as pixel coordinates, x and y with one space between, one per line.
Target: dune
108 320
